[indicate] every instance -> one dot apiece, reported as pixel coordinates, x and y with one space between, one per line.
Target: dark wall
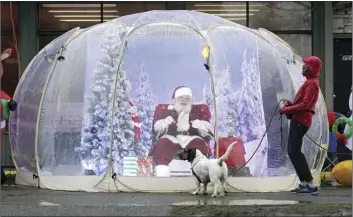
342 73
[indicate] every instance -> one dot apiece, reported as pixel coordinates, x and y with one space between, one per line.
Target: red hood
314 64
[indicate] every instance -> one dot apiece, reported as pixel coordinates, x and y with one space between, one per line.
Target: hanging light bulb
206 52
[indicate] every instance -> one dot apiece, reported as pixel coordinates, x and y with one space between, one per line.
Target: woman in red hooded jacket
301 112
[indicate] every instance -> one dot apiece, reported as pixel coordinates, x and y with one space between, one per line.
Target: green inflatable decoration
343 120
5 109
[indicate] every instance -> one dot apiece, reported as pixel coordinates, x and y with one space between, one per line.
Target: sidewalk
20 201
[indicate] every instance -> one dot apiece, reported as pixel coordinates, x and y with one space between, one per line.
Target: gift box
180 168
144 166
130 166
237 156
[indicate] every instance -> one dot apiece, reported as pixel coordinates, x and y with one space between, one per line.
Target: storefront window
301 43
68 16
10 77
233 11
112 11
43 40
277 15
6 20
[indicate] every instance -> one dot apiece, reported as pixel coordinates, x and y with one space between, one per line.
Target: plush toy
341 129
342 173
137 122
6 105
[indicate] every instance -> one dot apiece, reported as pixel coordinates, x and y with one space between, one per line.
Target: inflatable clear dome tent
108 108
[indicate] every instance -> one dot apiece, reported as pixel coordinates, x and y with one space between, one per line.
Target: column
175 5
27 22
322 42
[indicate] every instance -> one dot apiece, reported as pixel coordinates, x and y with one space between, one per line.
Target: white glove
196 124
162 125
169 120
204 127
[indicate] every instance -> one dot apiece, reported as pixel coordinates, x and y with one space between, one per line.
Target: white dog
207 170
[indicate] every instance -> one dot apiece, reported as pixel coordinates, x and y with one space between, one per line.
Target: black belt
185 133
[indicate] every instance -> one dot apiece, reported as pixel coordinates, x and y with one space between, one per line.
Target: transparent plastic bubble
128 95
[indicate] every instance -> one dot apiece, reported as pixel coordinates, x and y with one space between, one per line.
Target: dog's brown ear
192 154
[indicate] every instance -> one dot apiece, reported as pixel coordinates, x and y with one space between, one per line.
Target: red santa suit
175 131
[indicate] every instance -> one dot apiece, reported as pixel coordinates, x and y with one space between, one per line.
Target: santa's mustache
183 107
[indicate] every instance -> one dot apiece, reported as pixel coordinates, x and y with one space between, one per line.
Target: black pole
247 14
102 12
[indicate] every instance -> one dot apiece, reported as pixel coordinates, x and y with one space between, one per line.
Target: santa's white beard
183 118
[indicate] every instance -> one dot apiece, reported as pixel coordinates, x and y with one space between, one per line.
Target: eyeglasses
305 68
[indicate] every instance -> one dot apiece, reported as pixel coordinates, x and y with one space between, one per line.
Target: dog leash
283 144
317 144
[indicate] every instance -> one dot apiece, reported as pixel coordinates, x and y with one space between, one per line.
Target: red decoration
340 137
237 156
4 55
331 118
144 166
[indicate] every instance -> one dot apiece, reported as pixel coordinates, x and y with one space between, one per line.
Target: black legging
295 142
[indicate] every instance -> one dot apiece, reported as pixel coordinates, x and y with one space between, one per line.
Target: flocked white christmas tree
96 131
123 128
249 121
207 99
242 108
145 109
95 140
225 100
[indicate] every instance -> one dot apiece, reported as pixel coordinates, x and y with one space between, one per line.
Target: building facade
311 28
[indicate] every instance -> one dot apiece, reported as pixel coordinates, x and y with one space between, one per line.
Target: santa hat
180 91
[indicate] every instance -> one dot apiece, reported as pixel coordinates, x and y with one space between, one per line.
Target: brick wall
342 18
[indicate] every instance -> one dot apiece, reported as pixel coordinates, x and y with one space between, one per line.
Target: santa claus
181 125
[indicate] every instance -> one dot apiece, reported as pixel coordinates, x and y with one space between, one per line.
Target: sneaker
300 186
308 190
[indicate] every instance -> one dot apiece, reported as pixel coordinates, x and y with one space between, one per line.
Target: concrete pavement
23 200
